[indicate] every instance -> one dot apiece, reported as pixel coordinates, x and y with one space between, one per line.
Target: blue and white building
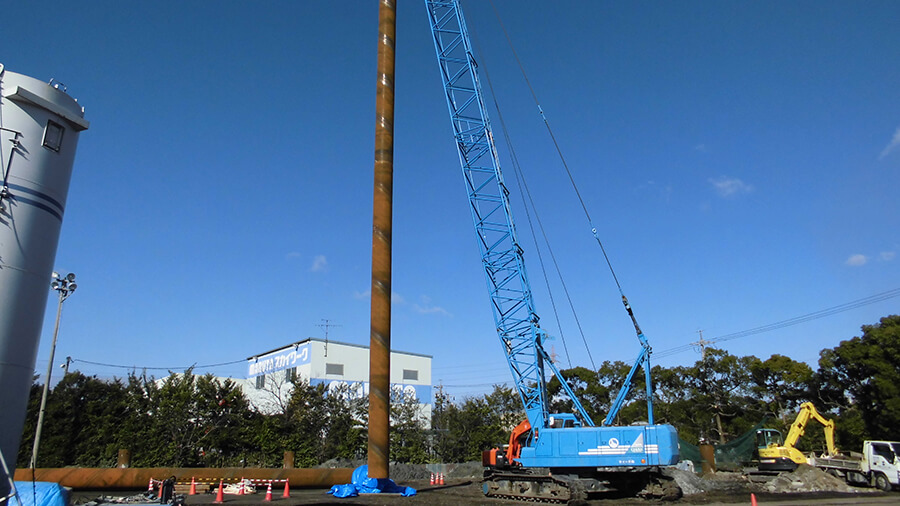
342 367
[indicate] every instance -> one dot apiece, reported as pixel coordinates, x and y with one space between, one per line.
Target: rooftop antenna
326 325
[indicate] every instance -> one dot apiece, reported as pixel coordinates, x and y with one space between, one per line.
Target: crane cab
563 420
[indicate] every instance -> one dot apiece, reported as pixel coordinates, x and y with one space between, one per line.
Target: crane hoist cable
565 164
529 206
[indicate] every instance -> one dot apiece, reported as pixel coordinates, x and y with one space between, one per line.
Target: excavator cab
768 437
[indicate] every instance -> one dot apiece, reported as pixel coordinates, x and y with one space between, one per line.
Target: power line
847 306
194 366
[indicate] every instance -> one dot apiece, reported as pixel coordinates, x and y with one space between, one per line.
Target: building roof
309 339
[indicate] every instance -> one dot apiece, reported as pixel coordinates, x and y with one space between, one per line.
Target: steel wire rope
568 171
840 308
525 191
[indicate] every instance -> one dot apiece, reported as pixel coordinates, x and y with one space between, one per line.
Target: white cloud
895 141
428 308
857 260
396 298
292 255
320 264
887 256
701 148
726 186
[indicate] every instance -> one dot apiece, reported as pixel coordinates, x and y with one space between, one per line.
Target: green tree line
187 420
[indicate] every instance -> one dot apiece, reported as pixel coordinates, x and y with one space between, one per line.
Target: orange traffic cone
441 479
193 490
150 486
220 495
752 499
241 488
287 489
269 492
160 490
432 479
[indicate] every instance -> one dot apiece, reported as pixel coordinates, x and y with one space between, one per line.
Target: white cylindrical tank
39 127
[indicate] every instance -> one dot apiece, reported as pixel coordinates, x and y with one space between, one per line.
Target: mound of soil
808 479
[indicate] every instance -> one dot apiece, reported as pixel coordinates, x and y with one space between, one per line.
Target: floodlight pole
65 286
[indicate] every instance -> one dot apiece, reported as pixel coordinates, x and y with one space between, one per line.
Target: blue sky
739 159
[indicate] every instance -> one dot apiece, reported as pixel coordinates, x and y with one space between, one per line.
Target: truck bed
839 463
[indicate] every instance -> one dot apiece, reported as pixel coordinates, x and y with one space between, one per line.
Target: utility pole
702 343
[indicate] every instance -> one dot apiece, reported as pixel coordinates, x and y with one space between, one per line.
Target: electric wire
822 313
840 308
195 366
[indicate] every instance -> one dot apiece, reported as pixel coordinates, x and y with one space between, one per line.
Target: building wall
340 366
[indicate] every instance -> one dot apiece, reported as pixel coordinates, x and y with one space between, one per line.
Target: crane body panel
638 445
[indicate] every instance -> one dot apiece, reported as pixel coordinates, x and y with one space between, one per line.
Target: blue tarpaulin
40 493
362 484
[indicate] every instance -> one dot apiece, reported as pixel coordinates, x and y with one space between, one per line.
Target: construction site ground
468 492
806 486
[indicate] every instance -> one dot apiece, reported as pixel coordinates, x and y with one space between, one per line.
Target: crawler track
532 487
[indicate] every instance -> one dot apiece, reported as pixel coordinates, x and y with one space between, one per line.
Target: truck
555 457
878 465
778 455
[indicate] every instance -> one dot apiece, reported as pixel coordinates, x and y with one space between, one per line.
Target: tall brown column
380 340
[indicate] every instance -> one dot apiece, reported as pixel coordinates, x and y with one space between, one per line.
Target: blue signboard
279 360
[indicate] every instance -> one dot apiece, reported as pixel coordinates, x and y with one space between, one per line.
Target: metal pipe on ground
708 458
124 458
135 478
380 337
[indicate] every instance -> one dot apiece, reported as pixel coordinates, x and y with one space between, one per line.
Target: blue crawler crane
581 458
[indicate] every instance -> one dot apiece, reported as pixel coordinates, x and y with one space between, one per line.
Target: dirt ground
804 486
458 492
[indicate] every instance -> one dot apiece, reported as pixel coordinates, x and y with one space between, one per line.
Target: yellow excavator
777 456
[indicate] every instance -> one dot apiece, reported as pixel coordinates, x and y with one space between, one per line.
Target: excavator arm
786 456
798 428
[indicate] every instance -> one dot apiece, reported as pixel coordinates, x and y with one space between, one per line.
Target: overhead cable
847 306
194 366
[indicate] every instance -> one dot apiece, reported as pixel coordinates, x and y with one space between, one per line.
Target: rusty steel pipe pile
380 340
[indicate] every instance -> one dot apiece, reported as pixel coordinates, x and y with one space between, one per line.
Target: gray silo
39 127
